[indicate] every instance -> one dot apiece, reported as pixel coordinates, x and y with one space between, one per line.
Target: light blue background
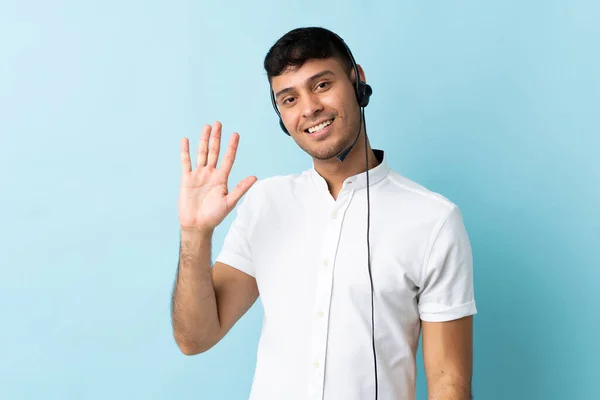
493 104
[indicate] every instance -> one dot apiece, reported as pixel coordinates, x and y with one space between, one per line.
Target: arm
206 301
447 306
447 357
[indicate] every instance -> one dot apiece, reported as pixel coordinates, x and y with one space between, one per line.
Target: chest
314 255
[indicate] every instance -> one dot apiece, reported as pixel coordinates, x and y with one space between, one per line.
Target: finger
186 164
241 188
203 146
229 158
215 145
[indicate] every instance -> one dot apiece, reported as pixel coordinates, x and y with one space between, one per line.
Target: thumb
239 190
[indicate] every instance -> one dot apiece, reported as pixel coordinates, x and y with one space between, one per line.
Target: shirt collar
358 181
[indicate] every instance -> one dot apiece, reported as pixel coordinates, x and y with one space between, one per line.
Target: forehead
293 77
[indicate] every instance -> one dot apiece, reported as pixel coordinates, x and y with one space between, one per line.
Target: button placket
319 332
322 303
319 328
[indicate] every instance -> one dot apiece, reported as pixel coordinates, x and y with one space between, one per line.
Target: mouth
321 129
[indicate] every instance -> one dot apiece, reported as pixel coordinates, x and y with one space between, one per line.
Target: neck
335 172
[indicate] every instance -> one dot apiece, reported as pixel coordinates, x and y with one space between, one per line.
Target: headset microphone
363 94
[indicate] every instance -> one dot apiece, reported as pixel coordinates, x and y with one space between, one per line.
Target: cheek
289 119
339 103
332 102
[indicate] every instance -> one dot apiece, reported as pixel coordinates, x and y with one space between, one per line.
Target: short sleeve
447 291
237 248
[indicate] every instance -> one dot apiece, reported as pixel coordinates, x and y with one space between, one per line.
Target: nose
311 106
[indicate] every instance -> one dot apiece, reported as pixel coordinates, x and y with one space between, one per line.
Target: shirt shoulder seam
431 195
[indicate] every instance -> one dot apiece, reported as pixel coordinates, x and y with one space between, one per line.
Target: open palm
204 198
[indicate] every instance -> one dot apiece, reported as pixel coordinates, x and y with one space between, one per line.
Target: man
301 242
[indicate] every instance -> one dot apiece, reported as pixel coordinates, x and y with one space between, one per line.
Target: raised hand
204 199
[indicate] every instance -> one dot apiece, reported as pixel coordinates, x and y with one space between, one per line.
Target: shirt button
320 313
326 262
316 364
334 215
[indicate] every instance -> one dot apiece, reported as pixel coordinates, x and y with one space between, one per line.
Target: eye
323 85
288 100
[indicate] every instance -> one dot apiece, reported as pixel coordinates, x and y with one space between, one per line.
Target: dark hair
302 44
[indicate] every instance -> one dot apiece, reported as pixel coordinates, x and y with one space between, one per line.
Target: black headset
363 94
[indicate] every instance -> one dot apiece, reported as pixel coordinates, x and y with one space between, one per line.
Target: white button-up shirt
308 253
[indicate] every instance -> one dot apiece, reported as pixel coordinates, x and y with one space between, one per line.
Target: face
318 107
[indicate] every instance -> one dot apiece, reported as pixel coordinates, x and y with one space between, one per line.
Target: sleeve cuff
236 262
435 313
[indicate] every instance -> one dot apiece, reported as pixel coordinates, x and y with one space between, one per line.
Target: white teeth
319 127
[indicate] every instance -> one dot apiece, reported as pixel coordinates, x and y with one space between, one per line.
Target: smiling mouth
320 127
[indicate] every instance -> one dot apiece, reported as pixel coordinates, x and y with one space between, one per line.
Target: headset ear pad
364 93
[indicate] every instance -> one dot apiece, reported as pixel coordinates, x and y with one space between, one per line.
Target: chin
326 151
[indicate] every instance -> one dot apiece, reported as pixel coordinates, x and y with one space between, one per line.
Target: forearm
449 389
194 307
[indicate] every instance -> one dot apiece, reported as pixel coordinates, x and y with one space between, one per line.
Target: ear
361 72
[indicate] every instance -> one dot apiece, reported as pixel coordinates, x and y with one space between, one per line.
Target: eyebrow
312 78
